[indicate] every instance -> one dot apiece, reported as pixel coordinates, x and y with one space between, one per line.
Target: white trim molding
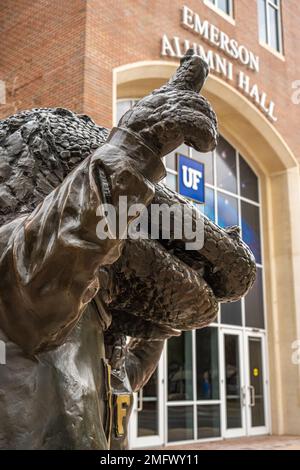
228 17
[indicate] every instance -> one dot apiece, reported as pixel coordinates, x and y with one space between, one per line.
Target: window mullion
280 29
267 11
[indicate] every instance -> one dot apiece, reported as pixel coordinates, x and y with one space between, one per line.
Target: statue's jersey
122 404
58 399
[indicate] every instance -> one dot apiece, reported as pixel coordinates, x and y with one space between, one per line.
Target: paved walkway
248 443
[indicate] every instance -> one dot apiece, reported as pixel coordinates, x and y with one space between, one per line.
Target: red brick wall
62 52
42 53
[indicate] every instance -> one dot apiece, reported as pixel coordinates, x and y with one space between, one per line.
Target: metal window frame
216 5
219 11
195 402
243 330
268 4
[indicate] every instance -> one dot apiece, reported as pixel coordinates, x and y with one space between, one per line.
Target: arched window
231 198
196 394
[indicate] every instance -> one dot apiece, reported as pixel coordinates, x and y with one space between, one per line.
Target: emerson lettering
220 60
218 38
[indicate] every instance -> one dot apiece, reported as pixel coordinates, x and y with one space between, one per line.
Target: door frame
135 441
258 430
242 431
246 429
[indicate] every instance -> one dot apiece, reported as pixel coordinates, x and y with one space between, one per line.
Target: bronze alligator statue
61 288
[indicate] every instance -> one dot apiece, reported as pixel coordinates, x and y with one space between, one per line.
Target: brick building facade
93 55
47 45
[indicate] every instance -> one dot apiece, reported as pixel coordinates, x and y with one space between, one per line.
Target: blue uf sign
191 178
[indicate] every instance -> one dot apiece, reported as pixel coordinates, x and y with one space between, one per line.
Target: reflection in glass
251 228
171 161
254 305
257 382
180 423
209 206
207 364
233 381
183 150
208 417
227 210
122 108
249 181
208 160
224 5
148 416
274 28
171 181
226 166
231 313
262 21
180 369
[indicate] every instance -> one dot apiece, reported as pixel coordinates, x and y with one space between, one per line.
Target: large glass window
233 381
180 368
248 181
180 423
231 198
148 416
171 181
209 206
208 161
257 381
208 420
226 6
254 304
251 228
227 210
226 166
122 107
231 314
207 364
270 26
193 386
193 378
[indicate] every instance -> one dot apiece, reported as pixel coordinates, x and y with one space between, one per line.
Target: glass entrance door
146 425
243 383
257 415
232 381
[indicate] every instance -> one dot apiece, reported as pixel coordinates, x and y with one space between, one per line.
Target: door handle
243 393
140 400
252 396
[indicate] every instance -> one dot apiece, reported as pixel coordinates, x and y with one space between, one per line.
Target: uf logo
191 178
